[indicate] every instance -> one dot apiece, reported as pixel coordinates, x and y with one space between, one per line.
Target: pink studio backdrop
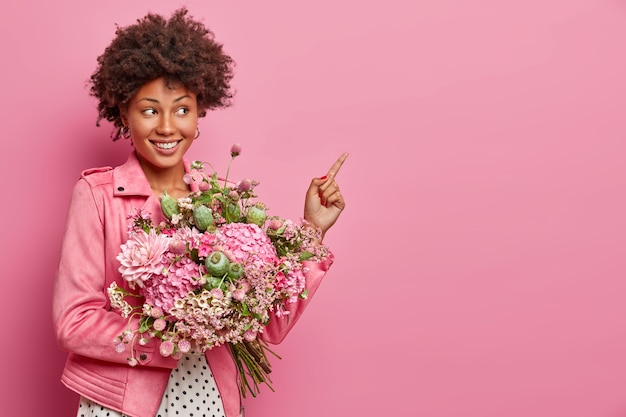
480 262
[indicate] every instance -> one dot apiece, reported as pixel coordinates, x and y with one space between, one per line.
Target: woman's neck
169 180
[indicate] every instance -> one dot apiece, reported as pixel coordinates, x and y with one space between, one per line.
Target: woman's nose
166 125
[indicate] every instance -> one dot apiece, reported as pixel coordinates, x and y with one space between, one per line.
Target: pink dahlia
142 256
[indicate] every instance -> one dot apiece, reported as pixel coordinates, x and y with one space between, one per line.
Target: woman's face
162 120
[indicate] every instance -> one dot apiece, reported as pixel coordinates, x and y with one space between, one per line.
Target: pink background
481 259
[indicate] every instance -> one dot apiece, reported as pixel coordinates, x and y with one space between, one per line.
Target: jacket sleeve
279 327
83 323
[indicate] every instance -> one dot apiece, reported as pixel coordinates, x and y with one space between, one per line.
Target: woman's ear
123 114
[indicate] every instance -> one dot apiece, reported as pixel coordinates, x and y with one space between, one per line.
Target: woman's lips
166 146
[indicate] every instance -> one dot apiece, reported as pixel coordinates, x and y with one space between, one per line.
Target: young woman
153 82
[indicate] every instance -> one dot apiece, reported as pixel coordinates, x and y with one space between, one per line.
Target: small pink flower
203 186
159 324
249 335
177 247
184 346
166 348
275 224
217 293
120 347
239 294
235 150
156 312
245 185
198 176
132 361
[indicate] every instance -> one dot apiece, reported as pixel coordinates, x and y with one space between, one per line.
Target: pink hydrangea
163 290
248 244
206 244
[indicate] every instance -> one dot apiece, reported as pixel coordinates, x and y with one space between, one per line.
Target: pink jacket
86 326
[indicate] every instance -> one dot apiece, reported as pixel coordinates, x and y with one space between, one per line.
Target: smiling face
162 120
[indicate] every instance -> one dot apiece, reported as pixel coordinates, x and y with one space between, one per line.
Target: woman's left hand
324 203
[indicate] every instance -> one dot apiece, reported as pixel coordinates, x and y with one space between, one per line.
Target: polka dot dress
191 392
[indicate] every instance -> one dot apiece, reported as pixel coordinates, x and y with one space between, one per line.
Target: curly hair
180 49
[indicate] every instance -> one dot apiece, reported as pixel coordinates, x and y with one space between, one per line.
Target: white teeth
168 145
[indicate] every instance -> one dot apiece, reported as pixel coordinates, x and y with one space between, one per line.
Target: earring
197 133
124 132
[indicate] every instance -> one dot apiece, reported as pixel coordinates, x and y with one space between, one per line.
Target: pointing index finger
332 172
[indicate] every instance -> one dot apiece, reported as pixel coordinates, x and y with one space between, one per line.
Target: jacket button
143 356
120 188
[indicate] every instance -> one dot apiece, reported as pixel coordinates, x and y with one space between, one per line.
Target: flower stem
232 158
247 358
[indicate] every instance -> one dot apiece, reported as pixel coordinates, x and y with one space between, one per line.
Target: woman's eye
182 111
149 112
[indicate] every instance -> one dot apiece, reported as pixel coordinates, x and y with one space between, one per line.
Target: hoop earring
197 133
124 132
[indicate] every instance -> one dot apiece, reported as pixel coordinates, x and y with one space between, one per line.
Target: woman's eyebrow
154 100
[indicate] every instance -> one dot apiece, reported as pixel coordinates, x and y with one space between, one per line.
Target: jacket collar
129 179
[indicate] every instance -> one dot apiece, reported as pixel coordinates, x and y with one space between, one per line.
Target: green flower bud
256 214
169 205
214 282
202 217
235 270
217 264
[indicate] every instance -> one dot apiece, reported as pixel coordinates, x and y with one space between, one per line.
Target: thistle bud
177 247
203 186
235 150
275 224
245 185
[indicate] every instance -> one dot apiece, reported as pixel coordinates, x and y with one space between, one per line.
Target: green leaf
145 323
232 212
193 254
204 199
305 255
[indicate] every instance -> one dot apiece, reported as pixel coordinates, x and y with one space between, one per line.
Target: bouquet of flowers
213 273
